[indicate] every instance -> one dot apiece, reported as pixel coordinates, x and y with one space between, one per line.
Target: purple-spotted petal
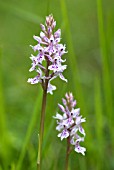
76 112
78 120
62 77
74 103
54 24
68 122
64 101
49 30
80 149
61 108
53 67
59 127
57 34
74 130
81 130
43 27
63 134
34 80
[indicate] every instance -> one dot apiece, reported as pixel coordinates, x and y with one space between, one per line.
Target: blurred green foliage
87 30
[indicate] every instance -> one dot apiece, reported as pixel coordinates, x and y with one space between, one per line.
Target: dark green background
88 32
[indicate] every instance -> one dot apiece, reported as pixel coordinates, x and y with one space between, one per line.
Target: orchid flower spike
70 123
48 62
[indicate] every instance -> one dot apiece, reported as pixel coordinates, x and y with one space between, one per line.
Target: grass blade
29 131
5 138
99 124
74 78
105 69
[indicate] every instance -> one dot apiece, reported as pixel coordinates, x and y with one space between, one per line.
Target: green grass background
88 32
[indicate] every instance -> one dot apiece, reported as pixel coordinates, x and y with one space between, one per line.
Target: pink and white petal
42 27
75 112
63 134
49 30
73 130
37 39
58 116
64 101
42 35
68 122
34 80
57 34
54 24
80 139
63 67
53 67
61 108
78 120
46 39
80 149
72 141
62 77
32 57
59 127
32 68
81 130
62 60
57 40
74 103
36 47
50 88
83 120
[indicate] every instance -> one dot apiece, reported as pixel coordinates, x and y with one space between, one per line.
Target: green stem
41 129
67 153
45 86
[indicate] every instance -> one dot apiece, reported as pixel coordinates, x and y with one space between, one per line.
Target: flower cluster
69 124
48 62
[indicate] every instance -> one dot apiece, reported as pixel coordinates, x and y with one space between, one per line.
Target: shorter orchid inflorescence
69 124
48 62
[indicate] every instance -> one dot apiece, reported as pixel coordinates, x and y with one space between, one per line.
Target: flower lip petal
75 112
68 122
63 134
50 88
80 149
34 80
74 130
58 116
59 127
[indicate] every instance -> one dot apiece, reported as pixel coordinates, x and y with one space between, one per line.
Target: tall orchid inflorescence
48 62
48 65
69 124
